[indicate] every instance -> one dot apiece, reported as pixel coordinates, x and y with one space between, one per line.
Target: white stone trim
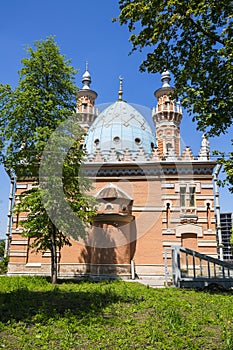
209 232
168 231
207 186
167 185
174 220
207 243
171 243
33 265
20 253
169 196
19 242
150 209
48 254
189 228
21 186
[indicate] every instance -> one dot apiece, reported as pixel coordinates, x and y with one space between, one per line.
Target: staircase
190 269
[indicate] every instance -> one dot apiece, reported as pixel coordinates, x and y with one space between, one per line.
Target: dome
120 127
86 75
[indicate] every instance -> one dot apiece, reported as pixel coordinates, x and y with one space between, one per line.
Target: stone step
152 281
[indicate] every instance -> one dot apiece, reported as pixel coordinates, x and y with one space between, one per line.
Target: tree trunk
53 255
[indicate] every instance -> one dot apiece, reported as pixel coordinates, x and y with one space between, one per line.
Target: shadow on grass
25 305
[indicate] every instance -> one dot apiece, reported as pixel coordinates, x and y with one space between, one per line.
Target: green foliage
58 203
40 140
227 163
194 40
3 260
111 315
4 265
231 238
2 248
45 96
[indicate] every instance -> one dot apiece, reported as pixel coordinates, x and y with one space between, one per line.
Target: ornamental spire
204 153
86 79
165 78
120 92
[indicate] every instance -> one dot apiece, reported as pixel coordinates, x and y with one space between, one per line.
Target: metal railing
195 270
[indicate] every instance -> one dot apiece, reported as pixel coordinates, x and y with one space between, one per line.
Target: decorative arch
189 228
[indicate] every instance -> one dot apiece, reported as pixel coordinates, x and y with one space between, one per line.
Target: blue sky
84 31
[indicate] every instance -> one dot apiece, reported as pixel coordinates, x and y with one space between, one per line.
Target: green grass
111 315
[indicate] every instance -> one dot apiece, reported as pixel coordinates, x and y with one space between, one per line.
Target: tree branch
208 34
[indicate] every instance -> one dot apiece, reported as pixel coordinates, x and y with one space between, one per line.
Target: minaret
86 101
167 117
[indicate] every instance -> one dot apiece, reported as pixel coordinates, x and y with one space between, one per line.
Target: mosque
151 194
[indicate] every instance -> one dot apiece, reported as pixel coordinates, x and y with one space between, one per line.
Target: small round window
108 207
138 141
96 142
116 139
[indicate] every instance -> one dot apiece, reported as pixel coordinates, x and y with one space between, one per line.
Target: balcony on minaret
168 106
87 109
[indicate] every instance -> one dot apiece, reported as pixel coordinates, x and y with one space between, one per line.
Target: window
182 196
109 206
124 207
96 142
167 214
116 139
208 217
137 141
187 196
192 196
169 146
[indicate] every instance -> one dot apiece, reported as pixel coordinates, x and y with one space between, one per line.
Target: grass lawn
111 315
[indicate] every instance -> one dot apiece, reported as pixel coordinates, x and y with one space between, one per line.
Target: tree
2 248
3 259
59 205
38 126
45 96
194 40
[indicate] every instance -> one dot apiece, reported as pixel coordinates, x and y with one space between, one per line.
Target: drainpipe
217 210
132 270
10 209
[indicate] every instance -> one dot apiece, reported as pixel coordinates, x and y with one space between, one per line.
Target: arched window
168 146
109 206
167 214
208 215
96 142
124 207
138 141
116 139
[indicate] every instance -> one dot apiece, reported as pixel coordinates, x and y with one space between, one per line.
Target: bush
4 265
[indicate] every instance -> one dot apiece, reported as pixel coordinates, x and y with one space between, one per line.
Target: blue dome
120 127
